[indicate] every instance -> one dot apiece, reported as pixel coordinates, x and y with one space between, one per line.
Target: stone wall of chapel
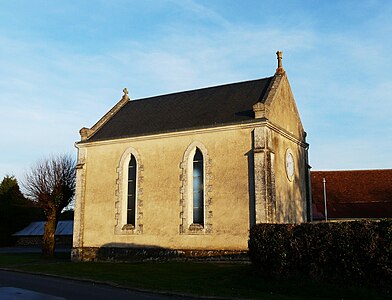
228 152
231 191
290 195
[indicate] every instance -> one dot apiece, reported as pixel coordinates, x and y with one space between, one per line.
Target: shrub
350 252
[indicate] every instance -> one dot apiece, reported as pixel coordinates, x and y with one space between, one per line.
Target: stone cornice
287 135
244 125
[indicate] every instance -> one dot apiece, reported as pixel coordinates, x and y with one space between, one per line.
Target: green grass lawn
237 280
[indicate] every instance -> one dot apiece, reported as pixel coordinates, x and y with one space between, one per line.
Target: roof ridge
200 89
220 104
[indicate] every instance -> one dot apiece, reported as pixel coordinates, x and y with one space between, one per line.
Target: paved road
21 286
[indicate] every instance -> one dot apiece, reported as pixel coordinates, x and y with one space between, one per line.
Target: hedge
349 252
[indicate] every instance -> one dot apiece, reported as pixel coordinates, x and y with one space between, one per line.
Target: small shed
33 233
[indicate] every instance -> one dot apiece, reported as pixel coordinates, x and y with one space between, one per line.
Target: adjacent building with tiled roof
191 171
33 233
353 194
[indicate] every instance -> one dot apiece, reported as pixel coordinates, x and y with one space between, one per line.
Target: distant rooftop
37 229
353 194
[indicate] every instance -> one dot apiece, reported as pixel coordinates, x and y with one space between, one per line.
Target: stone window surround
186 198
121 226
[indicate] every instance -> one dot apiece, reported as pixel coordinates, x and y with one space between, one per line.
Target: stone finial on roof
84 133
280 69
125 96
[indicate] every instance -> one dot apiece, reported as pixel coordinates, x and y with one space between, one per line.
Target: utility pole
325 200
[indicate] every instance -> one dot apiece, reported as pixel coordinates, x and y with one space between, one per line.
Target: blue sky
63 64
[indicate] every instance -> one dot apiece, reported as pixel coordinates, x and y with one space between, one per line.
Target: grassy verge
202 279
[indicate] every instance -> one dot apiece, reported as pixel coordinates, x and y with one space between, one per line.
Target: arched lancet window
131 205
198 188
128 205
196 209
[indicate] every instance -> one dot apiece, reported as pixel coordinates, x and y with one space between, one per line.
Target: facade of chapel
192 171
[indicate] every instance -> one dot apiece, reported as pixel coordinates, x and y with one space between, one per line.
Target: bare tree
51 184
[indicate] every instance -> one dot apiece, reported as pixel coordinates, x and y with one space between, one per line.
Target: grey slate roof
37 228
225 104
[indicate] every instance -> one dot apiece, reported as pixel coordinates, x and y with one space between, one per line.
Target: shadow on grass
187 277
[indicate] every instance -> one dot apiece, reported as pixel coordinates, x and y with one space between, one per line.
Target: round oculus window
289 165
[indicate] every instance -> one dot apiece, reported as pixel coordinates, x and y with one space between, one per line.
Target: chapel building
191 172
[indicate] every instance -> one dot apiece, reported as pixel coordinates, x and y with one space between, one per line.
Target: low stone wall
36 240
145 254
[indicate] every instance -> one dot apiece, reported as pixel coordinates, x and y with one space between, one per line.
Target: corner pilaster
265 195
79 198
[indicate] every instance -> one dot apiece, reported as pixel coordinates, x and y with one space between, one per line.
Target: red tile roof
353 194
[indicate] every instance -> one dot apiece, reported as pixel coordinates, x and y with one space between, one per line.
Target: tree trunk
48 242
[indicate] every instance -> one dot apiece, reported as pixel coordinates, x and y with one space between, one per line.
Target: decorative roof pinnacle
125 96
280 69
